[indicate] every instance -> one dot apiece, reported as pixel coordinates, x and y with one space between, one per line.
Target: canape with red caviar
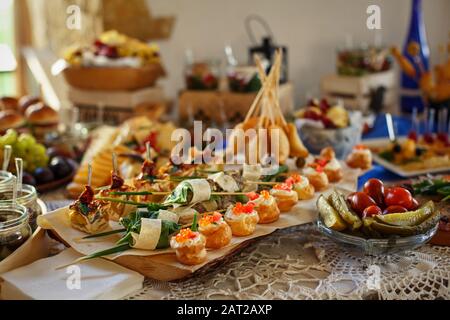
285 196
316 176
242 218
216 231
265 205
301 185
360 157
189 245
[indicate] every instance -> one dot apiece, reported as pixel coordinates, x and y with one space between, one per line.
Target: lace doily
299 263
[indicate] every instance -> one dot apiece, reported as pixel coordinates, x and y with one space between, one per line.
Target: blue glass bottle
410 91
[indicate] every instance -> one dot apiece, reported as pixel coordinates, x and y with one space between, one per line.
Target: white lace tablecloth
299 263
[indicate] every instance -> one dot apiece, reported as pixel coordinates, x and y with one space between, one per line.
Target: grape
10 137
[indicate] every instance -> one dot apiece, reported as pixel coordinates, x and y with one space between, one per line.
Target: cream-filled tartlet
242 218
216 231
266 206
189 246
360 157
285 197
300 184
316 176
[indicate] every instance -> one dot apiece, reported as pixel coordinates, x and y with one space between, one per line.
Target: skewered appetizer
216 231
117 210
145 182
266 206
87 214
316 176
360 157
242 218
301 185
189 246
285 196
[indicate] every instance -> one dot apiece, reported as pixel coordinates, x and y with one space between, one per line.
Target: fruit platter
379 219
322 123
44 168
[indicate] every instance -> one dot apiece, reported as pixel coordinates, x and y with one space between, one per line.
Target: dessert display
378 212
113 49
322 124
113 62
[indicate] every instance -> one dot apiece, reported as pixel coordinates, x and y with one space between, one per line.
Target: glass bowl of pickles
377 220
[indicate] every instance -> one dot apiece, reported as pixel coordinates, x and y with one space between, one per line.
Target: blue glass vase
410 95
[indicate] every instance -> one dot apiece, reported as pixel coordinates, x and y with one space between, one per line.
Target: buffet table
300 263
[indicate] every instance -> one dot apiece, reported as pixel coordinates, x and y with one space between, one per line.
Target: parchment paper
302 213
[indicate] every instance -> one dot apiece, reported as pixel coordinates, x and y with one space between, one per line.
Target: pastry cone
279 146
297 148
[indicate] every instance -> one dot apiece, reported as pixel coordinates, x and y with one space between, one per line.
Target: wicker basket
112 79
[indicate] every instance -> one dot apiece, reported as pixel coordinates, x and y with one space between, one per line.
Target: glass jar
14 228
6 178
27 198
204 75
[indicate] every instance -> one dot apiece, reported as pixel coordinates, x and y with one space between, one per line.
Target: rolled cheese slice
148 237
201 190
224 181
168 216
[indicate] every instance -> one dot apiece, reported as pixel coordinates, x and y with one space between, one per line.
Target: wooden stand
356 91
224 106
117 106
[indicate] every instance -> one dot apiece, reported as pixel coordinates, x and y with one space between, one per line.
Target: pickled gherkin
408 219
329 215
339 203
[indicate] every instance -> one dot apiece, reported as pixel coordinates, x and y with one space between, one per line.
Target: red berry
412 135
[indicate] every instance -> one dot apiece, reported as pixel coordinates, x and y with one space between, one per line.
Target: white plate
380 142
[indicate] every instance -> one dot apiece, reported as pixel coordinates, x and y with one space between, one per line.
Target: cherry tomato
371 211
375 189
360 201
394 209
398 196
415 204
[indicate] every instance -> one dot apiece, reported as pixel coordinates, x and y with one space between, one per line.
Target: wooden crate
356 91
220 106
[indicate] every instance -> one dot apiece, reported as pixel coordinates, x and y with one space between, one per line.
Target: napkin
97 279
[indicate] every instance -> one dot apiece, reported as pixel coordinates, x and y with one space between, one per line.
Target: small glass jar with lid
6 178
14 228
27 197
